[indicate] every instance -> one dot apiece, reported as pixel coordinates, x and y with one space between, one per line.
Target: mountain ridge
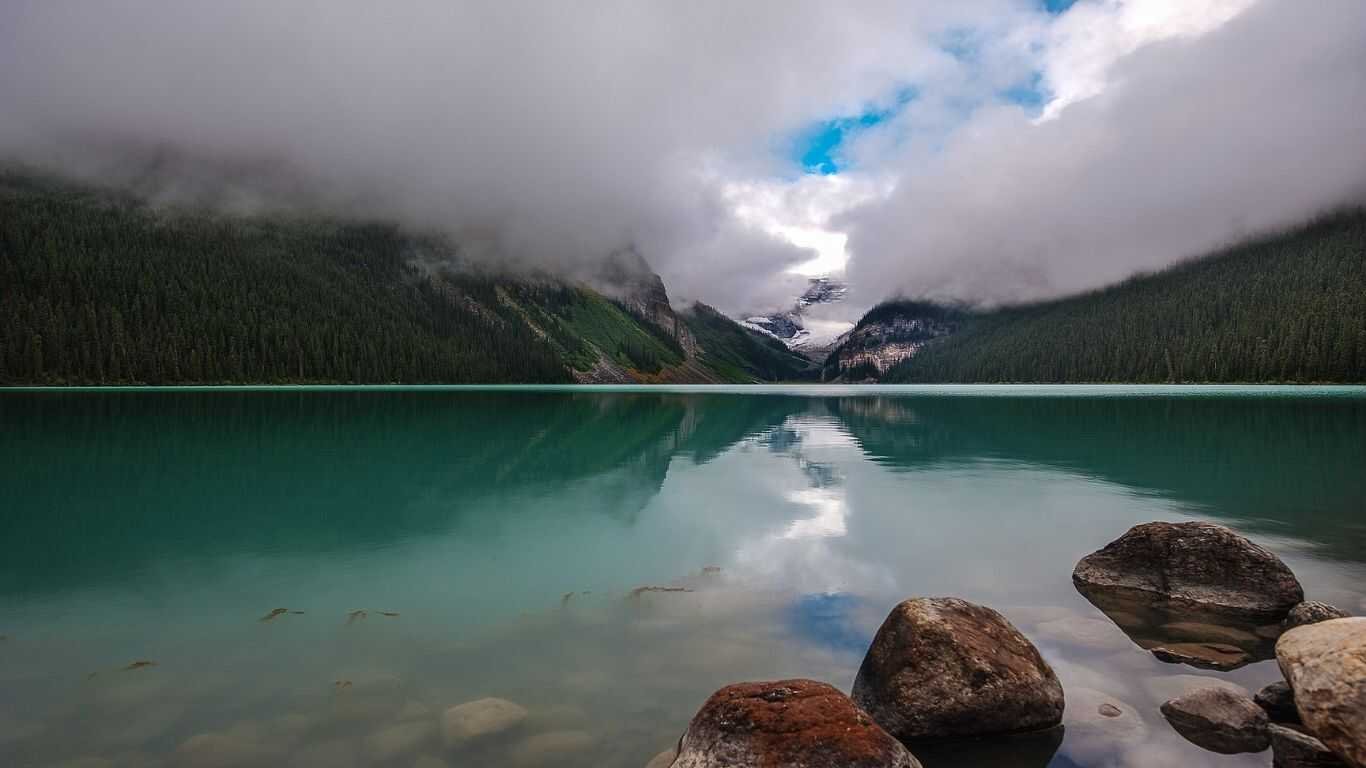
1288 306
97 287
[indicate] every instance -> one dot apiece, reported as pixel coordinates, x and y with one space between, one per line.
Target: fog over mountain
986 151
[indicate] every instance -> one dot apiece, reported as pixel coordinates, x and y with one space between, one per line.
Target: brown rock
1203 655
1293 748
1279 702
787 724
943 668
1311 612
1193 564
1219 720
1325 664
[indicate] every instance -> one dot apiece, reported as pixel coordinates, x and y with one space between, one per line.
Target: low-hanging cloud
1194 143
552 134
561 131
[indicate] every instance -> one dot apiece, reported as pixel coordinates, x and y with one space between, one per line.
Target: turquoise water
508 528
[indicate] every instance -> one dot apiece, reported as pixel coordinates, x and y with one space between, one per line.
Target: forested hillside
738 353
97 288
1289 307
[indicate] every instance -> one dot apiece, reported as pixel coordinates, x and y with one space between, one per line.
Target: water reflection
162 526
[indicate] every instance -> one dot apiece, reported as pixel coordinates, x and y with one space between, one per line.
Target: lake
497 540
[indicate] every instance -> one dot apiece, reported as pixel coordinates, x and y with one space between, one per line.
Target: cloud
1192 142
555 133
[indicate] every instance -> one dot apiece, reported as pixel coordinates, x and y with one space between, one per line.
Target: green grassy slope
98 288
1287 307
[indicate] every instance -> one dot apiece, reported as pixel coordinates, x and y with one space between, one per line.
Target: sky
986 151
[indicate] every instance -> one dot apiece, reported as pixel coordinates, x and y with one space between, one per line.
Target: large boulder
786 724
1311 612
1325 664
1293 748
1219 720
1193 565
943 668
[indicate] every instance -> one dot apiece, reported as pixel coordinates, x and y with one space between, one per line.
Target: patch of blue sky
817 149
1058 6
1031 95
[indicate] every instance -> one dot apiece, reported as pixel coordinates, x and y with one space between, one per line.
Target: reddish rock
942 668
787 724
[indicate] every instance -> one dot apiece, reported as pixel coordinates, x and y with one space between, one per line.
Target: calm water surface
508 529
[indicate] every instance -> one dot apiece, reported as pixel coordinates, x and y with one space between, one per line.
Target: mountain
97 287
1286 307
789 325
888 334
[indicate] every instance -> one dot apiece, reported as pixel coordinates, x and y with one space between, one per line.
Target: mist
551 135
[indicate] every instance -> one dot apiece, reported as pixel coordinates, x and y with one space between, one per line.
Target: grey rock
1293 748
1195 564
943 668
1325 664
1311 612
1219 720
787 724
1279 702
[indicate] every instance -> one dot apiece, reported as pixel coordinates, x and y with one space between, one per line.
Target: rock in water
943 668
1218 656
1279 702
1311 612
787 724
475 719
1325 664
1291 748
1219 720
1194 564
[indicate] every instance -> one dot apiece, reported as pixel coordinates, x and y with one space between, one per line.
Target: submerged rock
1220 656
1325 664
1311 612
399 740
1194 564
1293 748
476 719
943 668
552 748
1279 702
787 724
1219 720
1095 717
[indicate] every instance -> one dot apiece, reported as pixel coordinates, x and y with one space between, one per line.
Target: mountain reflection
100 485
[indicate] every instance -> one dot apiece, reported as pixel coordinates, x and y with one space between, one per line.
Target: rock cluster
1325 665
941 669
